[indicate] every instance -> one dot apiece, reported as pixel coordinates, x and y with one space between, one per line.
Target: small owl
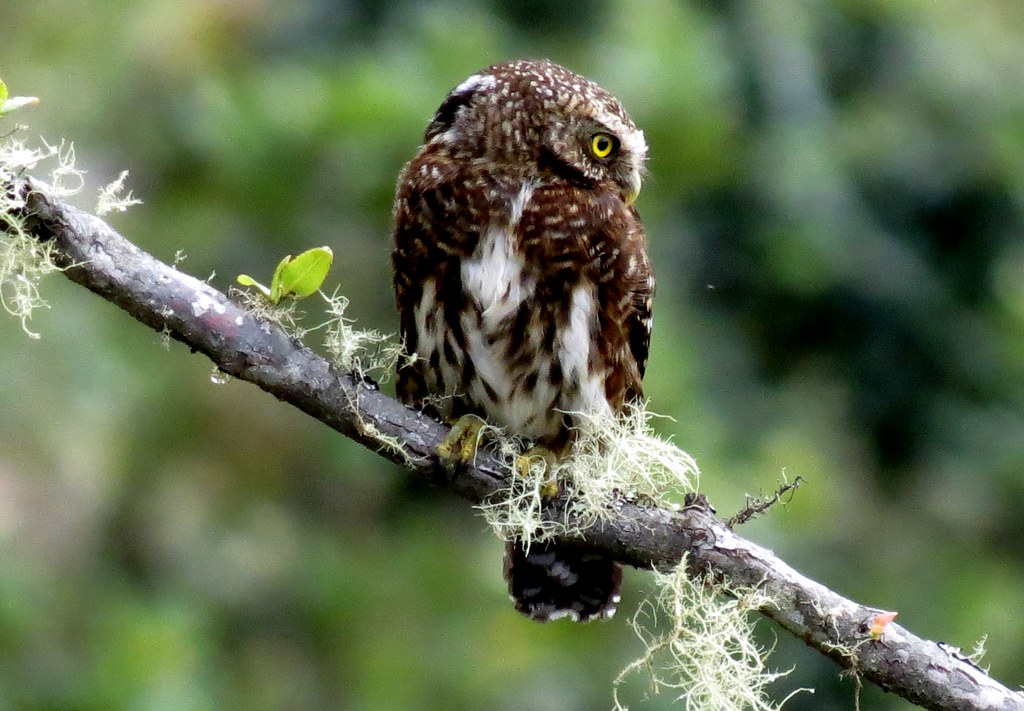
523 284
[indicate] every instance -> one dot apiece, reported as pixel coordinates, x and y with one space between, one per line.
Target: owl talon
524 462
460 444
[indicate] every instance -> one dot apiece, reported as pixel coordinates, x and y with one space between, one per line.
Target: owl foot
460 444
525 461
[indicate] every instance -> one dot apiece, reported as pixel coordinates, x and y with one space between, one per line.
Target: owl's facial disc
625 162
628 168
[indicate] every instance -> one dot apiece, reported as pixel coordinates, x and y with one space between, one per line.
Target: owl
523 285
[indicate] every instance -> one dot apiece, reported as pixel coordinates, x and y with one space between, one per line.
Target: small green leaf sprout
296 277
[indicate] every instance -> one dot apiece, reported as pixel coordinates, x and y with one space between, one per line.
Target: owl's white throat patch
494 275
519 203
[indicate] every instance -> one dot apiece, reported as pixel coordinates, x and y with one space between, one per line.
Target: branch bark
193 312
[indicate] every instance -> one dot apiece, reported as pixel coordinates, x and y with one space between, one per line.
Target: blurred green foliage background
835 209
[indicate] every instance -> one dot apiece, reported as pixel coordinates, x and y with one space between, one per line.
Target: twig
757 505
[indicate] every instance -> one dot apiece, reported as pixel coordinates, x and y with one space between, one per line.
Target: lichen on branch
24 260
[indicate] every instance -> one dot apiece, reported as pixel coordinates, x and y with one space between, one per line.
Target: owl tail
552 581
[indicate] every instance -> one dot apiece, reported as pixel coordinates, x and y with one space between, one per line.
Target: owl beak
632 188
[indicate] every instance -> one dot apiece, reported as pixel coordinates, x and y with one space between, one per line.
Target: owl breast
519 357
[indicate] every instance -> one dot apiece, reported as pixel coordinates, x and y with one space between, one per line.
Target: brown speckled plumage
522 280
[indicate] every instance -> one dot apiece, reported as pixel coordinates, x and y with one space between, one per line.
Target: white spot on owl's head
475 83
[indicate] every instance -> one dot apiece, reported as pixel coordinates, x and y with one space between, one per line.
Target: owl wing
406 258
436 219
638 290
640 320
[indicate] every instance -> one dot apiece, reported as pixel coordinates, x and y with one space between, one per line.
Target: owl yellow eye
603 145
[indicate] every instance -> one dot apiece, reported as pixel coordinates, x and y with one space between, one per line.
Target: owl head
542 120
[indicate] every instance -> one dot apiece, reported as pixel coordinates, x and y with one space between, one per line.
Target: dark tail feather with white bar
552 581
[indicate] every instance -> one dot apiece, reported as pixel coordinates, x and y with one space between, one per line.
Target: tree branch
241 345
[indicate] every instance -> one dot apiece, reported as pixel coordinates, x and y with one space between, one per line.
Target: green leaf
246 280
3 92
297 278
303 275
275 281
